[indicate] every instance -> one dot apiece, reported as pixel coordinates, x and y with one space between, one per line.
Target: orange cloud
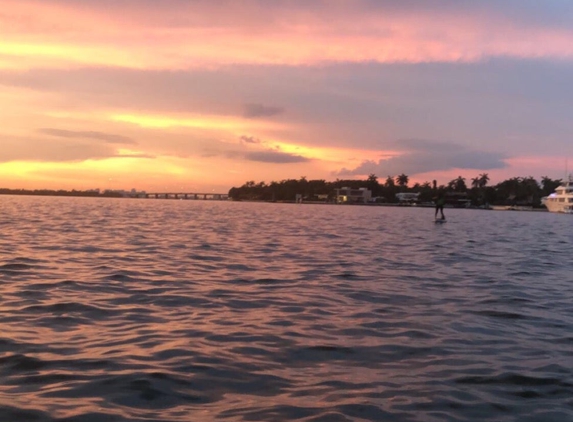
329 156
116 172
230 123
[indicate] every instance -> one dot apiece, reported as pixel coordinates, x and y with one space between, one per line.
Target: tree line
477 191
61 192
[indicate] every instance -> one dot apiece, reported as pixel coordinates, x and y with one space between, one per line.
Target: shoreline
116 196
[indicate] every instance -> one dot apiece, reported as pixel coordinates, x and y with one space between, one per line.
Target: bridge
188 195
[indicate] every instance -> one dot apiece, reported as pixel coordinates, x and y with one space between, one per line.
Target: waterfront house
408 198
353 196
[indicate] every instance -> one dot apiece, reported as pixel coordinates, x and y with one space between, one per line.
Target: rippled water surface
157 310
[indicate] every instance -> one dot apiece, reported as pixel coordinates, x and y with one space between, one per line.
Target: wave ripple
120 310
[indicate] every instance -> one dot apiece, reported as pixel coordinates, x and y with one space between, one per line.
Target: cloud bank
182 35
261 110
275 157
250 140
55 151
424 156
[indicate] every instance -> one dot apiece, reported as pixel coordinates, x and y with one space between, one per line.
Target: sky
204 95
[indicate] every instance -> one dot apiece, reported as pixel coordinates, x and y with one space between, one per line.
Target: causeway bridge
188 195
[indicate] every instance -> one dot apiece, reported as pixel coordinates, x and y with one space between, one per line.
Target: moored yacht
562 199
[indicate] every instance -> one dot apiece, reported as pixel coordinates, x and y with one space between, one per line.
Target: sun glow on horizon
333 155
231 123
120 171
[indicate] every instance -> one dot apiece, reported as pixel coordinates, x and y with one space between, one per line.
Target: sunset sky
193 95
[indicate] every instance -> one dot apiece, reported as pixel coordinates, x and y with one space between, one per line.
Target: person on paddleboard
440 201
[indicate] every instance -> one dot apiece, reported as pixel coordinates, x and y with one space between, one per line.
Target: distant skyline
203 95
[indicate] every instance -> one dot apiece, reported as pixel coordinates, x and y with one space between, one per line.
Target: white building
407 197
353 196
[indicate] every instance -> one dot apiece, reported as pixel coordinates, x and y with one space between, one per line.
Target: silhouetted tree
389 190
458 184
426 192
477 192
373 185
519 190
402 180
516 190
548 185
483 180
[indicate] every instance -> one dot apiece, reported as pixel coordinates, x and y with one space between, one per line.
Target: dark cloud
261 110
426 156
100 136
250 140
275 157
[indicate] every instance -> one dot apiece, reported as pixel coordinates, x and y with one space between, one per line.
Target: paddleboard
439 221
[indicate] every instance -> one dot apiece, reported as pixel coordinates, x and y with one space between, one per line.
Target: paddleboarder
440 201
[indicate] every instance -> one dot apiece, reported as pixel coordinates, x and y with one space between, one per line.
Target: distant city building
353 196
133 193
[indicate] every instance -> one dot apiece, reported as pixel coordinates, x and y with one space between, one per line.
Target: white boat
562 199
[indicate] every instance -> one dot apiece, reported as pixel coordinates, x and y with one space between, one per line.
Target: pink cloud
189 34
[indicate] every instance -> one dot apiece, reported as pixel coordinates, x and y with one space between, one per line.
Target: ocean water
164 310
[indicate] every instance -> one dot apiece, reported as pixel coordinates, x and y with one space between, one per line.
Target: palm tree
476 182
372 184
483 179
458 184
402 180
426 192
